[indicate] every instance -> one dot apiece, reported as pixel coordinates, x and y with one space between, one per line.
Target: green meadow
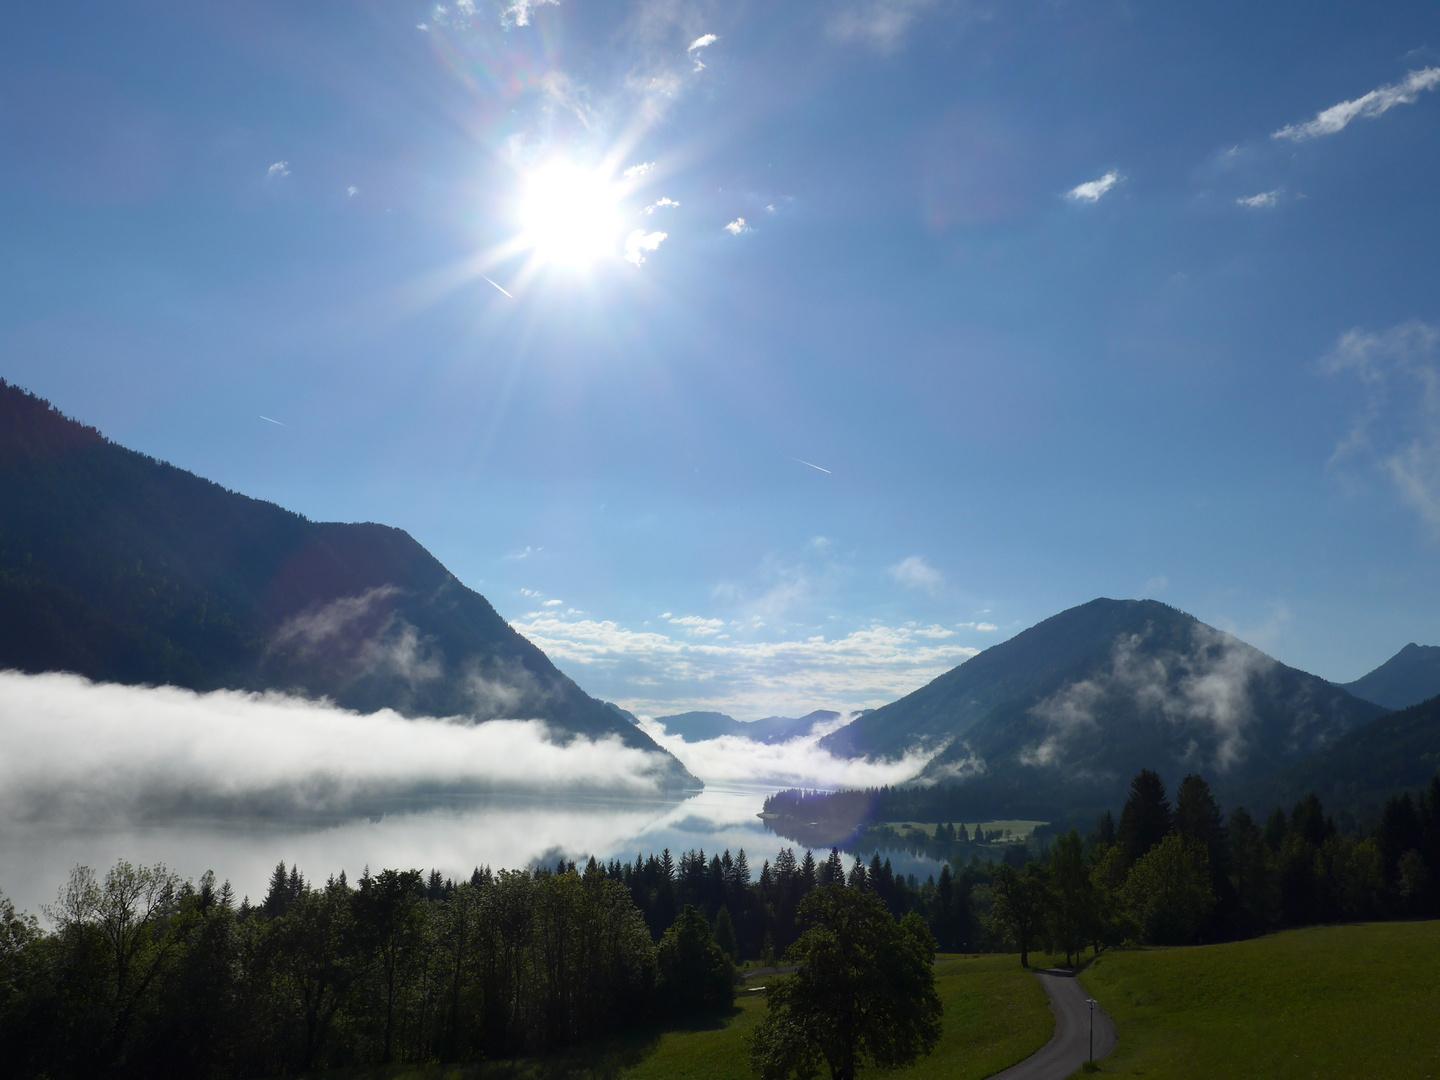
1019 828
995 1015
1358 1001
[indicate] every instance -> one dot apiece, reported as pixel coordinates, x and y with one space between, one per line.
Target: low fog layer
87 754
797 763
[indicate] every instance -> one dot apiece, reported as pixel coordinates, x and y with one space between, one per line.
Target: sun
569 216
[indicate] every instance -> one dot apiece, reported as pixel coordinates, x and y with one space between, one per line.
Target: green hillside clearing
995 1015
1355 1001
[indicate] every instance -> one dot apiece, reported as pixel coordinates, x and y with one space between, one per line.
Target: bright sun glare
569 216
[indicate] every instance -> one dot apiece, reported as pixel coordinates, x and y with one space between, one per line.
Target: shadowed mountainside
1068 710
1409 677
1360 770
126 569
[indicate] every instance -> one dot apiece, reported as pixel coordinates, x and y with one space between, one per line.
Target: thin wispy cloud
634 172
276 171
1376 103
81 752
881 24
1397 429
660 204
736 227
915 573
1093 190
639 242
352 191
517 13
498 287
817 468
703 41
1263 201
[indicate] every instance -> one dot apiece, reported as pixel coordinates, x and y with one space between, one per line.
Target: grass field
1019 829
995 1015
1357 1002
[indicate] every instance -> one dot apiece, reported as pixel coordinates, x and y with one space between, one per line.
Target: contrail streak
802 461
498 287
263 417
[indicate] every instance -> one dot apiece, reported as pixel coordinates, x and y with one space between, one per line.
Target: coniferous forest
143 974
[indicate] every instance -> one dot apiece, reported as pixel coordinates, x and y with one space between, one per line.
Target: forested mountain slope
126 569
1409 677
1072 707
1361 769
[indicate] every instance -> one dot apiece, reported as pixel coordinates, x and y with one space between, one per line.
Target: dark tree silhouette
864 993
1145 818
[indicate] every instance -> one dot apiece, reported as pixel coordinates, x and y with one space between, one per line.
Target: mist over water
236 782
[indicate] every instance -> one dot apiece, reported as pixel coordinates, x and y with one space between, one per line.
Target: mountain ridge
1082 700
700 726
126 569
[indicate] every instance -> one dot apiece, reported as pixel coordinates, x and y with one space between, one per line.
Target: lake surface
499 831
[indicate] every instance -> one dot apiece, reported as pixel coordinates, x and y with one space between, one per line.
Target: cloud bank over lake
79 752
797 763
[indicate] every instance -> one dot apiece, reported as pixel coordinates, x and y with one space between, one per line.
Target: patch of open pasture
995 1015
1357 1001
1018 829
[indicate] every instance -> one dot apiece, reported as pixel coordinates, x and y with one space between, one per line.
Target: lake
501 830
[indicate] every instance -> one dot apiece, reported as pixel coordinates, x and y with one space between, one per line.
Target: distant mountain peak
1409 677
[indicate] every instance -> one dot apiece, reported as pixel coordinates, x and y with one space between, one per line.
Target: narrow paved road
1069 1048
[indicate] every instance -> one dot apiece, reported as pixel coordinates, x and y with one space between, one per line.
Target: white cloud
1262 201
639 242
699 625
861 669
80 752
352 191
736 227
983 627
1203 691
279 169
659 204
634 172
731 759
553 603
703 41
1375 103
1397 430
517 13
915 573
1092 190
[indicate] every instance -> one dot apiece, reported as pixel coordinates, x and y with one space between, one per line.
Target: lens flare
569 216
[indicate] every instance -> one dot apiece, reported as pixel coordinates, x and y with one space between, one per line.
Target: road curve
1069 1047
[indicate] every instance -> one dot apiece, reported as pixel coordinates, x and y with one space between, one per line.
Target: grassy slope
1352 1001
995 1015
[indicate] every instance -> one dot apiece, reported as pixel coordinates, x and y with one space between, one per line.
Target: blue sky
1063 300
